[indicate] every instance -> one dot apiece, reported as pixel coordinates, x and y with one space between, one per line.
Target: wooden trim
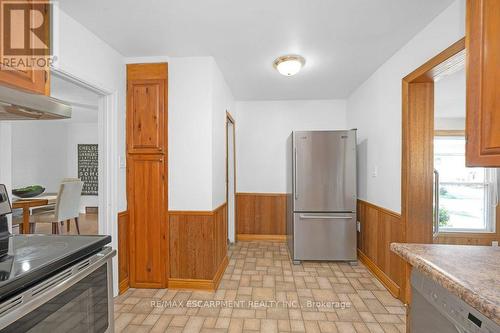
262 194
379 274
196 212
449 133
123 286
382 209
417 148
445 63
200 284
123 252
253 237
229 118
220 272
190 284
147 71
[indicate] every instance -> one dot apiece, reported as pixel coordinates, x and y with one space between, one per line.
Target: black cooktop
32 258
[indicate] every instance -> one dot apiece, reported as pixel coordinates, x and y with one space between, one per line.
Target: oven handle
27 301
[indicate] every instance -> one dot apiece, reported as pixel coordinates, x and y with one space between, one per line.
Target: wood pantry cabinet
35 81
147 175
483 83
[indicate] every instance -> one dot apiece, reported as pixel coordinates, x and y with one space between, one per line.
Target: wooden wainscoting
123 254
379 228
198 248
261 216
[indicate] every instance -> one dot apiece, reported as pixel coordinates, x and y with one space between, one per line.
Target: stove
32 258
54 283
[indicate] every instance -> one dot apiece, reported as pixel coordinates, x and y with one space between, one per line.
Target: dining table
26 204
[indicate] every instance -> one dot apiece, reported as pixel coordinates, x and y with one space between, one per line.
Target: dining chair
67 207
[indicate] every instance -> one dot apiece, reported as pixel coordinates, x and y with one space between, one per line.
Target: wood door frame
417 147
230 119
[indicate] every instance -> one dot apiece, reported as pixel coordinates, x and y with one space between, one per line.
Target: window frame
489 211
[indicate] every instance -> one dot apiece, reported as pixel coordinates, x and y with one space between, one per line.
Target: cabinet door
31 80
483 83
146 197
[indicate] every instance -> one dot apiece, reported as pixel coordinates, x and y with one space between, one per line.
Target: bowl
24 193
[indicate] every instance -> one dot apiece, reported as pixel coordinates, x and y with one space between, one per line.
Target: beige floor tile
260 272
327 327
179 321
251 324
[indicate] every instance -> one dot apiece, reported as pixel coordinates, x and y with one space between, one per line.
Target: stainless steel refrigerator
321 195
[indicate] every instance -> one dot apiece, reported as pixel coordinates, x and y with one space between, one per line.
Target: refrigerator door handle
295 186
324 217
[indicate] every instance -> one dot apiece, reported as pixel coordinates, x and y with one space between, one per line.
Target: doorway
68 150
231 177
433 146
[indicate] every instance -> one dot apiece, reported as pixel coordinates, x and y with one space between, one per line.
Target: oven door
78 299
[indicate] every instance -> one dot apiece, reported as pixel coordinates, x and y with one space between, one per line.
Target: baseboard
220 272
254 237
379 274
199 284
123 286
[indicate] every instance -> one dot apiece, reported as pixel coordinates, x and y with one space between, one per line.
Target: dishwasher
435 310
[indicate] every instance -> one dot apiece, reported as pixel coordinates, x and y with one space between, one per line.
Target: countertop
470 272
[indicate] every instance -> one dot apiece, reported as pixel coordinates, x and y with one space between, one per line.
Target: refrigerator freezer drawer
325 236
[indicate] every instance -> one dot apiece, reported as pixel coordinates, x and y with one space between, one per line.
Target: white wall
375 109
198 98
222 101
189 134
82 54
262 128
39 154
44 153
449 124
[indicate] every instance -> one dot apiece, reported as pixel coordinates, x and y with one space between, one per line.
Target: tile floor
262 291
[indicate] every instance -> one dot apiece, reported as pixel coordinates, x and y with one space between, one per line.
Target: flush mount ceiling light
289 65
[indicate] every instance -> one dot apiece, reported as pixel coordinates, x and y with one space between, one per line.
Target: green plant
444 217
443 191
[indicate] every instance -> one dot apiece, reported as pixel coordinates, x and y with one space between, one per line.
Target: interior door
325 171
231 182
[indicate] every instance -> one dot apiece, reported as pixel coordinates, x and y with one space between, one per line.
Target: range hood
20 105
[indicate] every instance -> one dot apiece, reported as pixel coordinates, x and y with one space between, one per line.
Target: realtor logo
25 34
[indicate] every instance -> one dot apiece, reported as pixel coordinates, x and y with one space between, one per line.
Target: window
467 196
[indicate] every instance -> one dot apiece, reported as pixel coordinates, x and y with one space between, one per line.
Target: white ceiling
83 101
343 41
449 96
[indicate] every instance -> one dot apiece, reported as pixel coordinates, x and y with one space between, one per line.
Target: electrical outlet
494 243
358 227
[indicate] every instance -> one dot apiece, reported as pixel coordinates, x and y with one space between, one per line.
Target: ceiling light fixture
289 65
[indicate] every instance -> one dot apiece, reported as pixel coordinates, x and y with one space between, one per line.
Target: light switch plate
358 226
